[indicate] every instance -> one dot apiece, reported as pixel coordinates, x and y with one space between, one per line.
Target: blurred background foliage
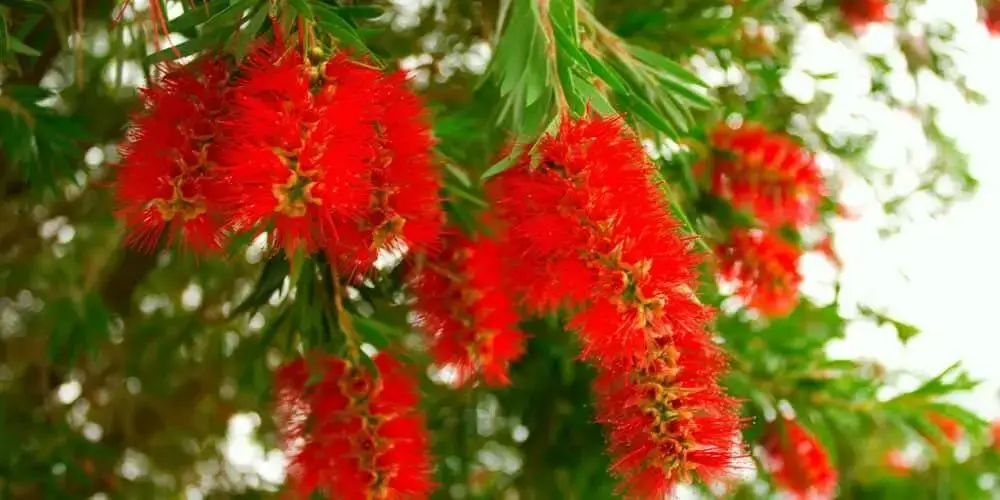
127 375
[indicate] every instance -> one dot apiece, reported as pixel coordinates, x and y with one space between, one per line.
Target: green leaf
196 15
360 11
183 49
303 8
590 95
652 117
329 20
229 16
668 68
459 174
502 165
465 195
4 37
607 74
375 332
249 32
19 47
272 276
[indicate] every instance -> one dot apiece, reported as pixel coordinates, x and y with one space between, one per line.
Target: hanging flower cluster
766 174
764 268
778 182
349 434
861 13
798 462
321 153
588 231
327 154
167 180
465 310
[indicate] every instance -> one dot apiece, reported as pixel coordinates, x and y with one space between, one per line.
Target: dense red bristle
167 176
351 434
465 310
798 462
297 157
588 231
765 174
764 268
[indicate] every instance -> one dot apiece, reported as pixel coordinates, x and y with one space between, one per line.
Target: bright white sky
936 274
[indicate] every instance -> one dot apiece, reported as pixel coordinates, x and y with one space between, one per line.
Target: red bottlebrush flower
669 420
352 434
332 155
587 229
465 310
167 176
951 429
767 174
861 13
296 159
991 17
764 268
897 464
797 461
406 181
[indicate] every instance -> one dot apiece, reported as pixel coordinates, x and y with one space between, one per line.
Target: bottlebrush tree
453 249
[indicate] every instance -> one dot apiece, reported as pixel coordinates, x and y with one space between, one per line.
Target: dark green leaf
228 17
19 47
197 14
330 21
360 11
249 32
498 167
668 68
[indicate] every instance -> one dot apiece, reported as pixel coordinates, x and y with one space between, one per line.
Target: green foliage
120 371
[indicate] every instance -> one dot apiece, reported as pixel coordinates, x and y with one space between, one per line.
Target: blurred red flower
465 310
764 268
798 462
768 175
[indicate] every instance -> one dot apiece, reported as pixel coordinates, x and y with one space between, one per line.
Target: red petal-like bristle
465 310
167 179
350 434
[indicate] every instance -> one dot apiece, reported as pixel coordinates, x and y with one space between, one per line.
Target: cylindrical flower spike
588 230
465 309
350 434
167 179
